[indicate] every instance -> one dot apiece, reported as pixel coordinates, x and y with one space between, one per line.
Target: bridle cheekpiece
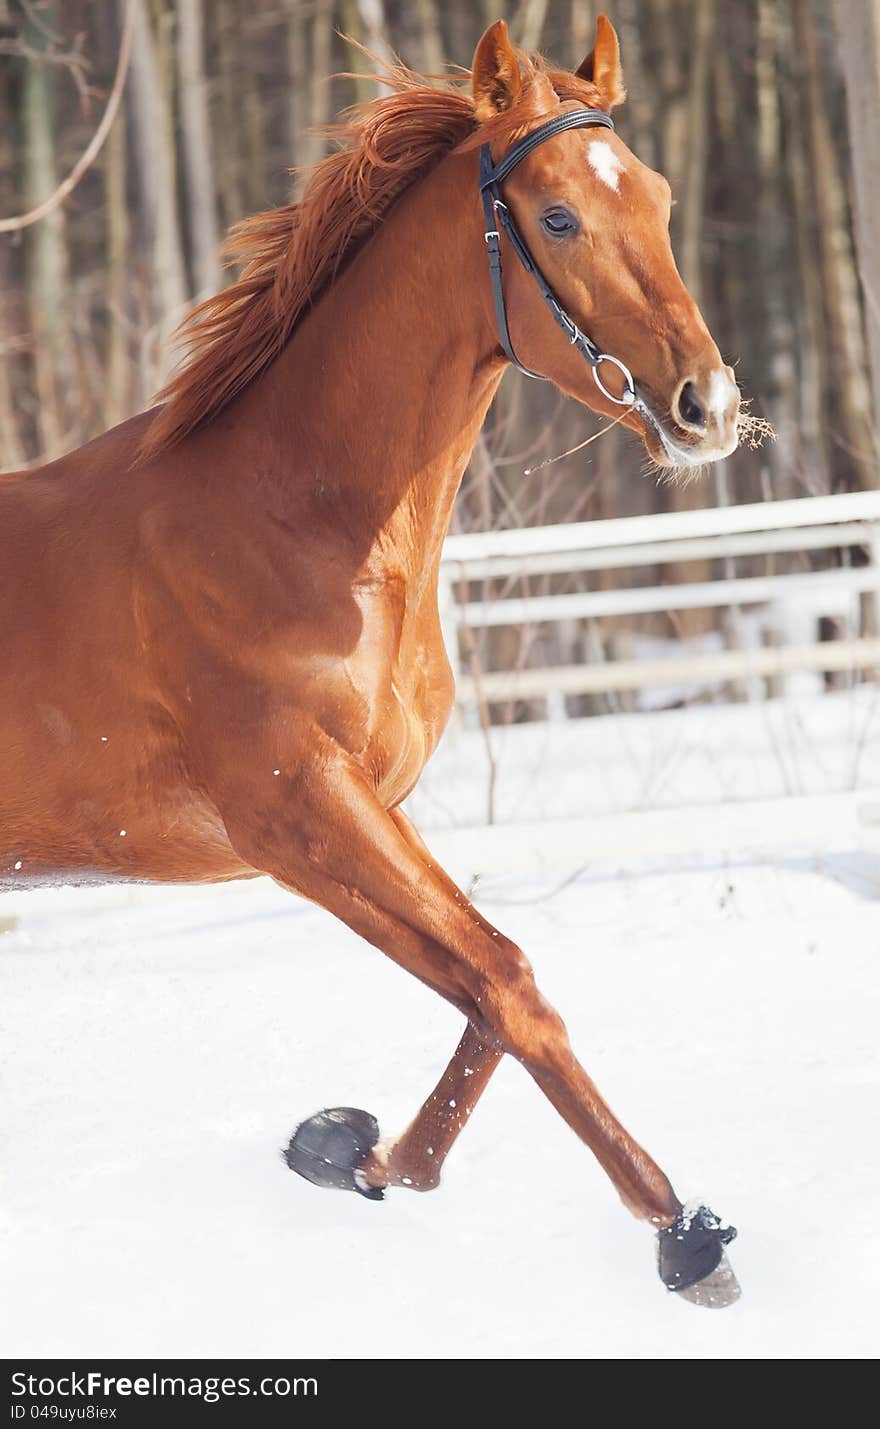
498 217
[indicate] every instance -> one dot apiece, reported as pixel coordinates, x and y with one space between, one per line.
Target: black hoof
691 1252
331 1146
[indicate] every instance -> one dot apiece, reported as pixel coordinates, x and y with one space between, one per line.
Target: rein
498 216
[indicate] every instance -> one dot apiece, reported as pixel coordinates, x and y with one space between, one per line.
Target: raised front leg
340 1146
416 1158
321 831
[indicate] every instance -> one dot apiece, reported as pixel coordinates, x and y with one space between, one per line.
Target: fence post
869 601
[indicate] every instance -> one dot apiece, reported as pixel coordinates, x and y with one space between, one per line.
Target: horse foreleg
416 1158
325 834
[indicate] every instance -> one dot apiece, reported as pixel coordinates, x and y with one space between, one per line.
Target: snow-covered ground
154 1057
703 754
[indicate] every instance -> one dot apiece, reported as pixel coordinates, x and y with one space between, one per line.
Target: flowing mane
293 253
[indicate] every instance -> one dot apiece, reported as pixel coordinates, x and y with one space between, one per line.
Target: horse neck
377 400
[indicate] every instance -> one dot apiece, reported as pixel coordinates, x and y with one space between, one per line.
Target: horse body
285 573
221 652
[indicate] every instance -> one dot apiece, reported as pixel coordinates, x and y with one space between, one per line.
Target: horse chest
411 693
406 724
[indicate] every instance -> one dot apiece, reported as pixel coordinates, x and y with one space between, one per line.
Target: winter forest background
762 113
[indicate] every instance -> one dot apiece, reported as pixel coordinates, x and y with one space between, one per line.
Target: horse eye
559 221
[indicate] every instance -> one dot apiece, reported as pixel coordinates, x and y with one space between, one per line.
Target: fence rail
762 528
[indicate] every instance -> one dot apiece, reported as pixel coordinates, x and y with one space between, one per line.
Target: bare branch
87 158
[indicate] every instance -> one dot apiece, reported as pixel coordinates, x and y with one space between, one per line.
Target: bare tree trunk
859 30
810 457
13 453
228 47
319 108
528 22
298 76
196 143
156 170
684 159
356 62
117 397
670 97
13 448
583 29
253 137
850 420
48 273
432 58
372 13
779 371
640 106
698 125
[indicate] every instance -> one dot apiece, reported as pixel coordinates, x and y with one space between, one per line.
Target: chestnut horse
221 653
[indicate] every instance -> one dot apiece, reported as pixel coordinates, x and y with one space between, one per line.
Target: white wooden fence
764 528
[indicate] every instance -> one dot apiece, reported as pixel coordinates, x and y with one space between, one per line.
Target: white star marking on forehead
605 163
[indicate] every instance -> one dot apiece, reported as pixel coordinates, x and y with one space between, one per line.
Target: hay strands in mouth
753 432
530 470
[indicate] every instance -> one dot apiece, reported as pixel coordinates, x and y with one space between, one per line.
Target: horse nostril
690 408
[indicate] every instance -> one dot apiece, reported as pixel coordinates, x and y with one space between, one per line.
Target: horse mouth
672 448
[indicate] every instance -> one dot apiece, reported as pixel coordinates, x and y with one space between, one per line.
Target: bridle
497 213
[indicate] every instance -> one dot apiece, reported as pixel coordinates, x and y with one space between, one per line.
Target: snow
155 1057
706 754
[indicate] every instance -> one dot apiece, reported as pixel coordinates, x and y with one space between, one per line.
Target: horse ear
602 65
497 80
